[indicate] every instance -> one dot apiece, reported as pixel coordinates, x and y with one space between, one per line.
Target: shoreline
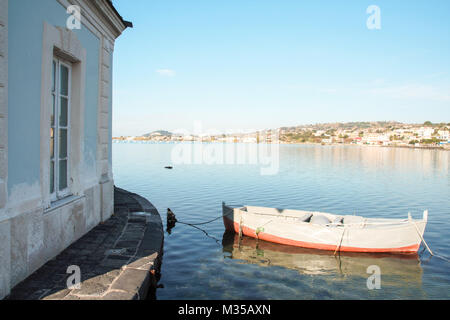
295 143
373 146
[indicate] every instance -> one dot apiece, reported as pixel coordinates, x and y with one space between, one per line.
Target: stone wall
118 260
37 236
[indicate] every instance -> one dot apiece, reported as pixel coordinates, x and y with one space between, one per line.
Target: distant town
380 133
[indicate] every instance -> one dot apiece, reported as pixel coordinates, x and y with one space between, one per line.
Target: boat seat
319 219
337 222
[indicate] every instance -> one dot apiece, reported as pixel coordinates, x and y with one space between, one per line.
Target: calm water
373 182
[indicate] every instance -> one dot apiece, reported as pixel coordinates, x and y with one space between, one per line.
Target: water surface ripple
373 182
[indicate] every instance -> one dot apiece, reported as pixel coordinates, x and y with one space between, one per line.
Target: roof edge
126 23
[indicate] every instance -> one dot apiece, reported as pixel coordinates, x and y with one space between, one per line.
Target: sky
233 65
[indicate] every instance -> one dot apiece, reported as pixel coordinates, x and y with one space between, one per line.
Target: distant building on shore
375 139
444 135
56 181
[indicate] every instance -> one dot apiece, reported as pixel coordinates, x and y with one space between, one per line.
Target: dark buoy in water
168 167
171 220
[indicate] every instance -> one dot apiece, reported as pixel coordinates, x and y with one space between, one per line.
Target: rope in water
201 223
421 237
441 257
206 233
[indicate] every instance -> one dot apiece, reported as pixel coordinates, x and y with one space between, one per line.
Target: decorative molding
64 44
103 167
98 17
110 16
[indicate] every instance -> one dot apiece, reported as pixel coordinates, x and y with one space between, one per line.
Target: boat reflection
395 269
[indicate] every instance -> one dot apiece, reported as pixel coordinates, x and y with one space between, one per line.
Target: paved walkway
119 259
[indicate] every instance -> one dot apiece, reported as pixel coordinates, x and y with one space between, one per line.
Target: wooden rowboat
325 231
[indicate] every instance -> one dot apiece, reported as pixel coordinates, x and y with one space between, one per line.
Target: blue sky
255 64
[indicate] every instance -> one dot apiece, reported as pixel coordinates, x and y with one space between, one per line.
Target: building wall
25 91
32 229
5 245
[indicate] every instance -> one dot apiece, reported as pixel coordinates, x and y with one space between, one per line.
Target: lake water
368 181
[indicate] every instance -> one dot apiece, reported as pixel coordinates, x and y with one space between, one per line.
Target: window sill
62 202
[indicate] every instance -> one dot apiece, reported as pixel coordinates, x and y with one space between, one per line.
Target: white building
249 139
424 133
375 139
444 135
56 181
319 133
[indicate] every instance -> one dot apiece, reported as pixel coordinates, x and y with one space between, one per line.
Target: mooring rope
195 225
201 223
340 242
421 237
433 254
207 234
441 257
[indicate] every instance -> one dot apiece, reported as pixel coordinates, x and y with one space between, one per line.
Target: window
60 130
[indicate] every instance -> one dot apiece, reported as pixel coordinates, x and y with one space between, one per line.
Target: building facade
56 180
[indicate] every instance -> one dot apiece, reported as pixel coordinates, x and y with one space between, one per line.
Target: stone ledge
133 281
119 259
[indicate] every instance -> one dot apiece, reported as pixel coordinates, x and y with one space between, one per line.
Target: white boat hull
367 235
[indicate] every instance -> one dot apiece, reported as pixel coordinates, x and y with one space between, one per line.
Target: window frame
56 96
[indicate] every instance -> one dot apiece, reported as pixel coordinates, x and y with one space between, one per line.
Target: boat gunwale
393 224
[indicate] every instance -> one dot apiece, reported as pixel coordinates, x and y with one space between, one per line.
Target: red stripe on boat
230 225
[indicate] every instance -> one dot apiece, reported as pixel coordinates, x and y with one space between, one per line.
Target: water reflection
370 158
396 270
